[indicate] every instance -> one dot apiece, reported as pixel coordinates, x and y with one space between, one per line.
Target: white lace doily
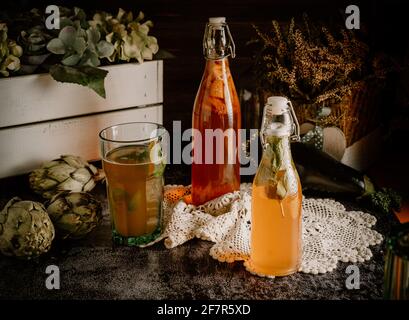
330 233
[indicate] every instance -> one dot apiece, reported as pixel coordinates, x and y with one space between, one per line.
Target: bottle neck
278 149
222 64
276 169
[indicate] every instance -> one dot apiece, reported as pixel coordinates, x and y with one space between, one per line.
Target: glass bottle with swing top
276 198
216 113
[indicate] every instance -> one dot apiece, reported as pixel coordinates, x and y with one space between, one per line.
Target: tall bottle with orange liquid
216 119
275 247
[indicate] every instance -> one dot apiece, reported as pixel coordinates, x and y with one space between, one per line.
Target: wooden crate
41 119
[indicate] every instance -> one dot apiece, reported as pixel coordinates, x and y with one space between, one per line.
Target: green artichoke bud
9 53
68 173
74 214
26 230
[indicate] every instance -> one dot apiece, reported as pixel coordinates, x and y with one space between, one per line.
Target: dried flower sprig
310 64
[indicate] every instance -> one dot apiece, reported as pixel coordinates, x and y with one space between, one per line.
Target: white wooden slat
24 148
34 98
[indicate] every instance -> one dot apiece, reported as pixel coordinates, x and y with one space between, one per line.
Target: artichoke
74 214
26 230
69 173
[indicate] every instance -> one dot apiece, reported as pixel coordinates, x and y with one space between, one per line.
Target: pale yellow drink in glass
276 230
134 190
133 158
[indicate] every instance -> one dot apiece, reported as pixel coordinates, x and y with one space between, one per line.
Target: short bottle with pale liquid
276 244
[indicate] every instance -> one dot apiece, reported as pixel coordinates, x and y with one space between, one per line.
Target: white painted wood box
40 118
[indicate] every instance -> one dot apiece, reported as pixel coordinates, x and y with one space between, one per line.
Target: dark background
179 27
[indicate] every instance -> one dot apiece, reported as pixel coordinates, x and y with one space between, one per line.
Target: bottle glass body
216 120
276 212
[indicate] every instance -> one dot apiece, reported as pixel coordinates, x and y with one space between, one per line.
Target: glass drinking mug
134 160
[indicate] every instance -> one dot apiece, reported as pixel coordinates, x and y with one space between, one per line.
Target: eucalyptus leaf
147 54
140 16
68 35
110 37
79 45
56 46
81 16
120 14
281 190
93 35
77 25
153 46
143 28
71 60
84 75
81 33
105 49
273 170
90 58
149 24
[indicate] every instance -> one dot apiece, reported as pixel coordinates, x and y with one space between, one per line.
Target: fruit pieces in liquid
134 192
216 106
276 233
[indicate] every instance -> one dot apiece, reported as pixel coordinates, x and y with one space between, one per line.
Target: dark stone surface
93 269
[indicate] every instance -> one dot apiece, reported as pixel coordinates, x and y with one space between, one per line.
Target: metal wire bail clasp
296 126
279 119
217 40
232 46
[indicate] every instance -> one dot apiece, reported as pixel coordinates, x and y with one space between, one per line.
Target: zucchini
320 172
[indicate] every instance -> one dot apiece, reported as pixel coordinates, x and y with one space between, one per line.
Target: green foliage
34 40
84 75
9 53
78 47
128 35
273 171
384 200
